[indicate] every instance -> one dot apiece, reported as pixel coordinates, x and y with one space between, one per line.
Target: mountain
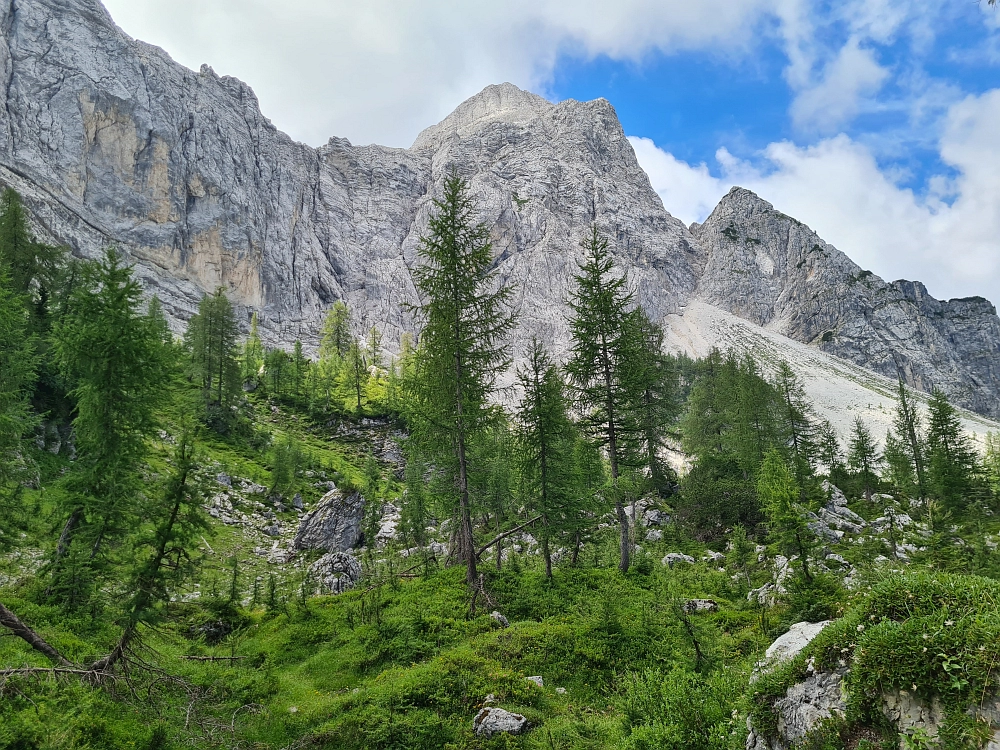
109 140
776 272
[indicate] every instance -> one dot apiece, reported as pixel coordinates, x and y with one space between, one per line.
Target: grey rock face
491 720
336 572
334 524
109 140
774 271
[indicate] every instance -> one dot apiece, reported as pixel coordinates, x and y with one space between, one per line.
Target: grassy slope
399 663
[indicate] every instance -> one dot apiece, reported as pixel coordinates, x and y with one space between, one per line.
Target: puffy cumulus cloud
948 238
853 75
381 70
688 192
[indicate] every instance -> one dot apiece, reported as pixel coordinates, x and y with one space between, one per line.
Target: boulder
672 558
499 619
335 572
700 605
655 517
387 525
537 679
837 497
491 720
654 535
334 525
789 645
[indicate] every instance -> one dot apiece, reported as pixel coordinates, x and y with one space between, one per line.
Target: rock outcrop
491 720
109 140
776 272
334 525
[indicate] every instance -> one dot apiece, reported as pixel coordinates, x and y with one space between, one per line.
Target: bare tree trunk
13 623
546 553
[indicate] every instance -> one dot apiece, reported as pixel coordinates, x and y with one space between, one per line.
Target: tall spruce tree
908 429
121 368
952 463
606 337
778 493
658 405
212 337
547 438
18 364
863 457
466 323
252 358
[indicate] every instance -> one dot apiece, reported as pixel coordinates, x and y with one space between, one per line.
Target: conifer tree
863 457
463 343
115 355
658 406
547 437
796 424
991 461
252 359
373 346
300 370
178 519
18 364
907 428
335 336
32 267
952 464
277 364
355 372
211 338
778 493
606 337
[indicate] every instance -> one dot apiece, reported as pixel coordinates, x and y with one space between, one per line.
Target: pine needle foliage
607 336
466 323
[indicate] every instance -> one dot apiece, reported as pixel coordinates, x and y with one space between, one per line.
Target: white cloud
381 70
836 98
837 188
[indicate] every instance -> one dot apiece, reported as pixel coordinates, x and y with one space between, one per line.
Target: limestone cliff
776 272
111 141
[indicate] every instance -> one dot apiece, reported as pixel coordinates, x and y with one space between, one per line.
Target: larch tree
114 354
606 337
952 463
546 435
658 405
778 493
252 358
863 457
463 344
912 442
17 376
212 339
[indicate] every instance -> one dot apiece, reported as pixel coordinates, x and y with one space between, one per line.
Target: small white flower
949 623
860 628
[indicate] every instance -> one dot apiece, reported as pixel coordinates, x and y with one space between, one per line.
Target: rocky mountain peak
502 102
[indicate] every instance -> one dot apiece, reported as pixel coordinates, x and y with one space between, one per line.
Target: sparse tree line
583 443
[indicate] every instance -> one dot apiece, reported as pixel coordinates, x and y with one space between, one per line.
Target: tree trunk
546 553
576 549
13 623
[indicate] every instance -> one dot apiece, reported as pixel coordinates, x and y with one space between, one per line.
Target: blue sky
873 121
